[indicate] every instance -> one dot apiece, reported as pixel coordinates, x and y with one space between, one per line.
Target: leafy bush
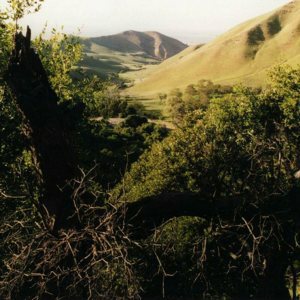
194 97
244 148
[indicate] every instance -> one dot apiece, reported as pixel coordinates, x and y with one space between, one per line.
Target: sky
191 21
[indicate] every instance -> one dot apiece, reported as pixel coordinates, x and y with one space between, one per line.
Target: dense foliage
235 147
103 151
244 148
216 148
194 97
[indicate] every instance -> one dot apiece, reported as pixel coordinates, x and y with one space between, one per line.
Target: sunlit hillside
244 54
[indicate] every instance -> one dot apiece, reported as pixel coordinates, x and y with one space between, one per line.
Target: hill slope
243 54
129 50
151 43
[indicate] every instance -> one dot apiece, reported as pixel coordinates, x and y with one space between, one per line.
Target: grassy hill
127 51
244 54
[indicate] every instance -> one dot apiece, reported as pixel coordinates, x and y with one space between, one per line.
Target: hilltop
129 50
244 54
150 43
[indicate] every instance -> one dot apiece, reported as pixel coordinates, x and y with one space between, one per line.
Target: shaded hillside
243 54
129 50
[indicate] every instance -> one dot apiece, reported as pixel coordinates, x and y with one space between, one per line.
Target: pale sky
192 21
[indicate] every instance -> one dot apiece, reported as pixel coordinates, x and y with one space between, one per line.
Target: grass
244 54
154 107
104 61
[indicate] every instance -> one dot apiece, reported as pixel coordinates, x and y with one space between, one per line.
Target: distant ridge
151 43
127 51
244 54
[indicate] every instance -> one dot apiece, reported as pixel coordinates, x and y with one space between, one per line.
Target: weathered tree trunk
150 212
52 152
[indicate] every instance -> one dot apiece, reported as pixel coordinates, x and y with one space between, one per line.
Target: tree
162 97
175 105
239 158
18 8
193 98
42 220
59 54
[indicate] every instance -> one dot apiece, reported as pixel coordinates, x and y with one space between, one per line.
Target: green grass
155 107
